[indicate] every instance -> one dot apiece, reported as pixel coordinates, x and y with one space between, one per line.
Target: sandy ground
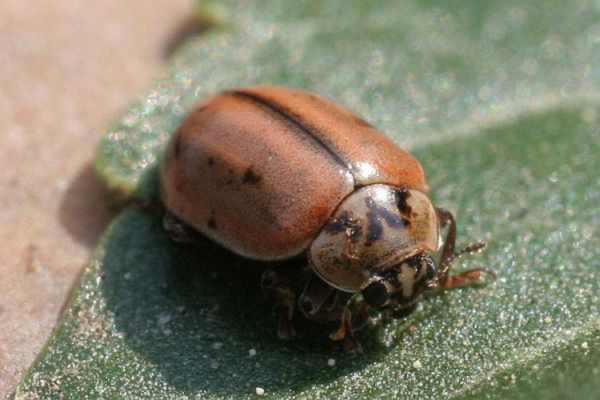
67 68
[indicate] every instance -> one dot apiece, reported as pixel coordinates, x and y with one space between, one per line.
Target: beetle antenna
471 248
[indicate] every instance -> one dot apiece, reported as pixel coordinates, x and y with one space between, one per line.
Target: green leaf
152 319
497 98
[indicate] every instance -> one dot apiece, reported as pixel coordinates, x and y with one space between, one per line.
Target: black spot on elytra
251 177
211 161
344 223
212 222
402 196
376 216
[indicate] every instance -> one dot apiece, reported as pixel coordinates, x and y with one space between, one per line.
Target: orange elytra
272 173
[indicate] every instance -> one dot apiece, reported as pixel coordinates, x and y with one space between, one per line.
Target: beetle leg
354 316
178 230
449 255
466 278
315 295
277 286
345 333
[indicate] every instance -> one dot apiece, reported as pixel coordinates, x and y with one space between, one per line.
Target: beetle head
373 232
400 287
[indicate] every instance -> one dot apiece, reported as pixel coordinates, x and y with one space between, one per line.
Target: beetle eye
376 294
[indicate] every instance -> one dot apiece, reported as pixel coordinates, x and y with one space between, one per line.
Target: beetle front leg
449 255
278 287
354 314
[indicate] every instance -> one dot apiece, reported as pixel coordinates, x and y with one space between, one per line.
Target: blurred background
67 68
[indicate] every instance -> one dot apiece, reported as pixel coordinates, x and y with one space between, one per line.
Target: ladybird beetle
272 173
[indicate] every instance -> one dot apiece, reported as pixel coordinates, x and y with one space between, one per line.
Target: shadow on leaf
196 312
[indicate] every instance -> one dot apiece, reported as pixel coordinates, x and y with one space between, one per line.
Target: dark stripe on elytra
293 120
374 217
